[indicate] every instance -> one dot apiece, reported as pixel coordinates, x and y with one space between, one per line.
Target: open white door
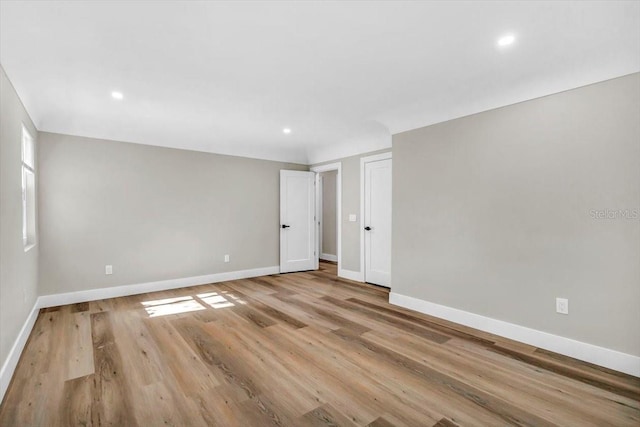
377 222
297 221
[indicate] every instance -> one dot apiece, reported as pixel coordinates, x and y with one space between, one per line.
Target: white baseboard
601 356
162 285
10 363
357 276
329 257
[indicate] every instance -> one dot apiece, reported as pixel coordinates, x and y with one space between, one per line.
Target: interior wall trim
141 288
329 257
612 359
357 276
10 363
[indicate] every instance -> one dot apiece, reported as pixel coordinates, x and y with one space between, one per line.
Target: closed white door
377 222
297 221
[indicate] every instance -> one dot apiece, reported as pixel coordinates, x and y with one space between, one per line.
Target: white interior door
297 221
377 222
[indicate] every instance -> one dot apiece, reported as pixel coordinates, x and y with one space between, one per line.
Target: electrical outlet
108 269
226 258
562 305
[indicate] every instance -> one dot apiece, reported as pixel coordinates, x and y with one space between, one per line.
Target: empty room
319 213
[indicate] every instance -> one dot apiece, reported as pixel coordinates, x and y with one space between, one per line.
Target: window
28 191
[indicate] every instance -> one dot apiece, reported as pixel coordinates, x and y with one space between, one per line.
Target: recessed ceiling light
117 95
286 130
506 40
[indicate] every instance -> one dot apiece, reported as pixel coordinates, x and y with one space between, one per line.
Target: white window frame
29 231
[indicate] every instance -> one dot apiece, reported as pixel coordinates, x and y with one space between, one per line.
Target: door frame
320 218
326 168
363 161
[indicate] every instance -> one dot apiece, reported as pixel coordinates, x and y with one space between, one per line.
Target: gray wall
18 269
492 213
153 213
351 205
329 206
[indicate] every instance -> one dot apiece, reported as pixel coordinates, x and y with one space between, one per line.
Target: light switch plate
108 269
352 217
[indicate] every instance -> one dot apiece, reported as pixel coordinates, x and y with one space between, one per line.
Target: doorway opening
329 213
328 218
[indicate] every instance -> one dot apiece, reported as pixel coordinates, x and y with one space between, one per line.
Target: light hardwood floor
302 349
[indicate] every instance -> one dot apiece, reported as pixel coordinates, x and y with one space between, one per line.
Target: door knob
285 226
367 228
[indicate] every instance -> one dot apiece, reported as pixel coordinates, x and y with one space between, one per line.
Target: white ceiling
227 77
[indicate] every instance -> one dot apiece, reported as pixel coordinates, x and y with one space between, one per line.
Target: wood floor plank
523 391
413 318
270 311
381 422
159 405
399 383
354 396
251 286
143 364
607 382
508 412
354 381
266 364
327 416
111 395
76 403
178 355
222 364
298 349
218 407
328 315
445 423
80 307
25 400
602 406
259 411
256 317
310 319
609 374
79 345
390 320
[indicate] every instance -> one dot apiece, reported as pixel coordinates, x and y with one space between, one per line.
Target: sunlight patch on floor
169 306
216 300
166 301
177 305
